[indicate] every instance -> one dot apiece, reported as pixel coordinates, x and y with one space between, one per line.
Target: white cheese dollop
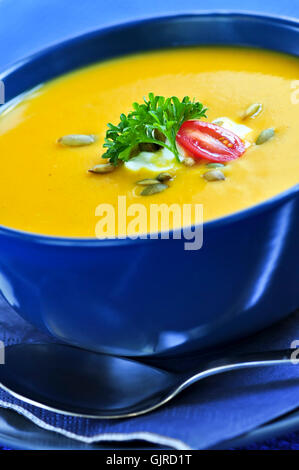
162 160
239 129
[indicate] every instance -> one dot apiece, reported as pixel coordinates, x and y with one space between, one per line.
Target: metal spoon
77 382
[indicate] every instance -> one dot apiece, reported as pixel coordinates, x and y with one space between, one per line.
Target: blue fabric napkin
211 412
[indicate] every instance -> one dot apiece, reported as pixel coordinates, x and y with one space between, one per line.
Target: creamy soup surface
46 188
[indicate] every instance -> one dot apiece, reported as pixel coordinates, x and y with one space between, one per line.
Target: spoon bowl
76 382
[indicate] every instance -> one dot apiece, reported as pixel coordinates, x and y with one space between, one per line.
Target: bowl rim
250 211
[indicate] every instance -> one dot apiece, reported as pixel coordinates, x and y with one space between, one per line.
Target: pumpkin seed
153 189
252 110
103 168
164 176
189 161
77 140
152 147
147 182
149 147
214 175
265 135
135 151
158 135
214 165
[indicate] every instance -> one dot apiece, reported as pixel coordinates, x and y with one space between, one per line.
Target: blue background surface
31 25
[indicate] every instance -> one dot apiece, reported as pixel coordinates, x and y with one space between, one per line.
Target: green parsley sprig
156 121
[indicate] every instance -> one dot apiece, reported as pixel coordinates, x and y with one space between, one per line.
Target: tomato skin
204 140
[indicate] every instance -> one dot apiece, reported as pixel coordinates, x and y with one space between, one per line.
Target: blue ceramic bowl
95 294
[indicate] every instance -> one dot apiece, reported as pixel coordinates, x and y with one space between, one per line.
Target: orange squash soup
51 138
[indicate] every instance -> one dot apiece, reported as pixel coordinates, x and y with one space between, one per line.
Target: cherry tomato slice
209 141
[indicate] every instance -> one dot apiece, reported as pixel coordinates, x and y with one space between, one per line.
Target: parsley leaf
156 121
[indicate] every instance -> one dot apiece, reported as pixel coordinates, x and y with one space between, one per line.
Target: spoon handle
243 361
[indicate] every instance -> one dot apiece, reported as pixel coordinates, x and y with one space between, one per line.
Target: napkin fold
211 412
